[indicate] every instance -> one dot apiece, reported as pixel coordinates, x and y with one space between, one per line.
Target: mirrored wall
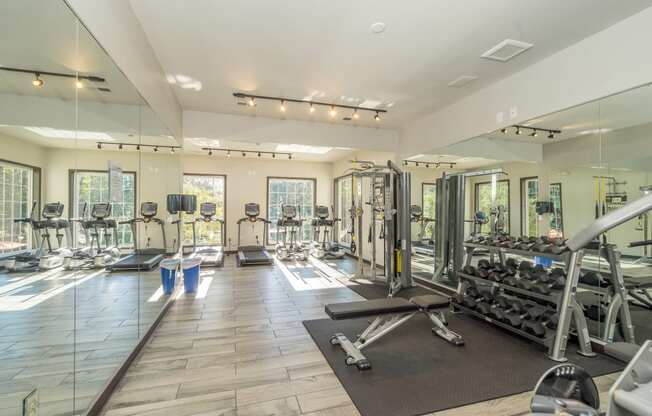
552 176
85 167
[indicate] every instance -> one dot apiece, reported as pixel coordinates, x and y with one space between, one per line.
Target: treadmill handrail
609 221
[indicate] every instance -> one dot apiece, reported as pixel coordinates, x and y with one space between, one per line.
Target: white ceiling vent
506 50
462 81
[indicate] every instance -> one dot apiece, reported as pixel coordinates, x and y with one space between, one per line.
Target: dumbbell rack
553 340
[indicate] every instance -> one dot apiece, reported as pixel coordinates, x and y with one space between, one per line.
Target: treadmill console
101 211
252 210
207 209
52 210
148 210
416 212
289 212
321 212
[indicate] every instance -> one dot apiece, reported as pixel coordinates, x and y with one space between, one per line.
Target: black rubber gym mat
415 372
379 291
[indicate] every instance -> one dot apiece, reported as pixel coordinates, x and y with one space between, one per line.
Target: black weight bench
390 314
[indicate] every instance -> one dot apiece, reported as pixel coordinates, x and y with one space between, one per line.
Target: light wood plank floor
239 348
64 333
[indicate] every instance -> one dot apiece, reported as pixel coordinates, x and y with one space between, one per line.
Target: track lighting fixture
37 82
274 155
99 145
137 147
228 154
290 156
172 150
244 154
258 154
156 149
250 100
534 131
427 164
120 146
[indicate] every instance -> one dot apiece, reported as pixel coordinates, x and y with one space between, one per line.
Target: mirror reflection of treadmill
148 258
210 255
251 255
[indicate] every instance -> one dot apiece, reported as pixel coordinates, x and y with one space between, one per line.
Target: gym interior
245 208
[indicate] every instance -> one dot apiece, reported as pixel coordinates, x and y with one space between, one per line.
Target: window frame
71 196
523 202
561 205
509 200
269 178
224 222
337 207
35 197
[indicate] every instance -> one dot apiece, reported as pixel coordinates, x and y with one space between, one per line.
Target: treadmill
423 245
142 259
253 254
211 255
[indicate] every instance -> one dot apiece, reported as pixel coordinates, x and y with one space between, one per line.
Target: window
16 198
529 198
92 187
487 198
208 188
343 202
429 199
287 191
556 217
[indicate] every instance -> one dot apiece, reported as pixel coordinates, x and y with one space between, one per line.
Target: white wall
246 181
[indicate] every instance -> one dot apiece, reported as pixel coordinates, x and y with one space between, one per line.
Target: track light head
244 154
251 102
332 112
427 165
37 82
312 108
79 84
274 155
210 152
518 131
404 163
417 163
258 154
551 135
290 156
535 133
137 147
282 107
451 166
228 153
120 146
377 116
156 149
355 114
99 145
171 149
503 131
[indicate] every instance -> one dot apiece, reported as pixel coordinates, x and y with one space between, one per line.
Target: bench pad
428 302
360 309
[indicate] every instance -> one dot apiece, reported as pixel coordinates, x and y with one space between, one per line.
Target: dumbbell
515 312
541 244
526 243
470 270
594 279
509 242
528 278
540 319
557 246
555 280
475 299
498 273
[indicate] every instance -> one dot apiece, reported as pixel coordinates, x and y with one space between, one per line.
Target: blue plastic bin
190 274
169 275
544 261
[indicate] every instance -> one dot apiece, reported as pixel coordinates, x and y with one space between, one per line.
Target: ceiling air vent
506 50
462 81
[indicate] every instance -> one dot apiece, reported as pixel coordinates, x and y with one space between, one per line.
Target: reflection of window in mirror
207 188
529 197
92 187
485 203
429 198
556 217
17 195
343 201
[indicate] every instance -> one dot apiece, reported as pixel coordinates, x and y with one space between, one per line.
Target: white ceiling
326 50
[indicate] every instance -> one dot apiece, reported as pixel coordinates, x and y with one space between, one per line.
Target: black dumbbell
555 280
526 243
539 320
525 265
594 279
528 278
470 270
484 264
484 302
511 262
516 313
557 246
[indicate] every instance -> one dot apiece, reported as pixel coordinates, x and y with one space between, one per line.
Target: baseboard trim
98 403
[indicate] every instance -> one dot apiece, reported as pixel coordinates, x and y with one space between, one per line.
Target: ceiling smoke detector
462 81
506 50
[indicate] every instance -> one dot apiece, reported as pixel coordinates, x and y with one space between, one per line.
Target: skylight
302 148
52 133
415 157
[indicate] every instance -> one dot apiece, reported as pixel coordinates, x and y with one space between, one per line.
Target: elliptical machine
323 227
210 255
52 220
289 224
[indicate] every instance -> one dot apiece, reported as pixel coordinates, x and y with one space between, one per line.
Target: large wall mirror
552 176
81 157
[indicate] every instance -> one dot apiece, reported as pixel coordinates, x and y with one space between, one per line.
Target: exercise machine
142 259
423 245
253 254
568 389
211 255
99 226
323 245
290 225
390 313
51 220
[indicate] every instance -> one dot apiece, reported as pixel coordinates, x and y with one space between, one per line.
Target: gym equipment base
415 372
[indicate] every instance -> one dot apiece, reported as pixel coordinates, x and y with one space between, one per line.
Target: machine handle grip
640 243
